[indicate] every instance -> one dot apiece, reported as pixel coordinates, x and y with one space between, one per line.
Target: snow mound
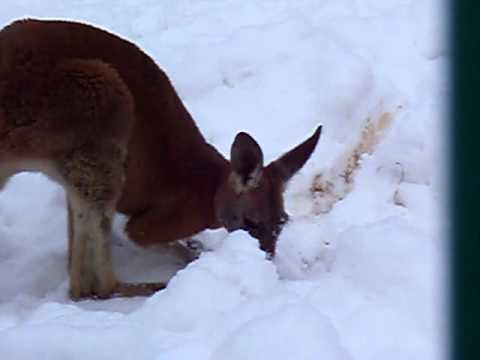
305 248
220 281
293 332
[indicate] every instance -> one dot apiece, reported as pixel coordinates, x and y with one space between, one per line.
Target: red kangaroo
96 114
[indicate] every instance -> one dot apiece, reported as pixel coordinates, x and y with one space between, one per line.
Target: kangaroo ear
246 159
292 161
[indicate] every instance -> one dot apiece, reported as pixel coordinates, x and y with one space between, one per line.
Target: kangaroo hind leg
95 185
93 180
92 171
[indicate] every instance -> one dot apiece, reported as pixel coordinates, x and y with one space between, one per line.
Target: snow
360 270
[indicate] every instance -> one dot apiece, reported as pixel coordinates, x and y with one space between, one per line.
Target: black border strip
465 178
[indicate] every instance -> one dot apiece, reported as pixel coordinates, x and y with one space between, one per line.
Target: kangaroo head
251 195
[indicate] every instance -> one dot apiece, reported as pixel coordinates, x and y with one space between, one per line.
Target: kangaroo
95 114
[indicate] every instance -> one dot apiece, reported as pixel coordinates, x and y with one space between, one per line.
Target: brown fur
98 116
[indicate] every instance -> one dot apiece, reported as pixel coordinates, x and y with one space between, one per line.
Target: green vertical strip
465 173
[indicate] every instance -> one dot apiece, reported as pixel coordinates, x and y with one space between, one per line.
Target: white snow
364 281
